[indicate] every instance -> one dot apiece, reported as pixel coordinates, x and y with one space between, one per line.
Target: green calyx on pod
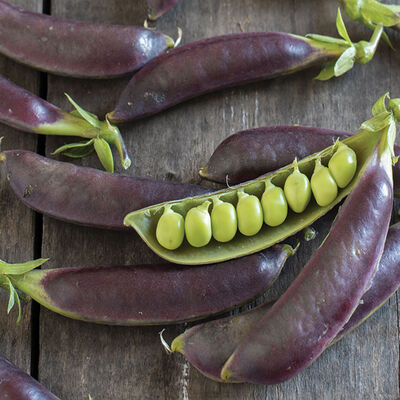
170 229
347 52
100 135
198 225
297 189
8 272
274 204
323 185
223 220
249 213
371 13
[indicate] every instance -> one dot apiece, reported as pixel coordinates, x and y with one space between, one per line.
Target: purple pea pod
219 62
145 294
63 190
25 111
207 346
16 384
311 313
251 153
77 49
157 8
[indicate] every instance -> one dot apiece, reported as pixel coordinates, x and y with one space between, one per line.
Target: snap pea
297 190
323 185
343 165
223 221
250 215
145 221
198 225
274 204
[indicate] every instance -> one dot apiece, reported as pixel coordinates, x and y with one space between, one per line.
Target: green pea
343 165
297 190
198 225
249 214
223 221
323 185
274 204
170 229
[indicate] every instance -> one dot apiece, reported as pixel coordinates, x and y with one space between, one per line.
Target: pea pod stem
146 294
215 63
75 48
26 112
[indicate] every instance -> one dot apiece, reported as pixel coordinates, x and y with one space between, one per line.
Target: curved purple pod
208 345
310 314
225 61
16 384
157 8
73 48
68 192
248 154
152 294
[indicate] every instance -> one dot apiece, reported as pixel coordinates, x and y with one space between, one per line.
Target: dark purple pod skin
211 64
251 153
157 8
76 49
84 196
23 110
310 314
207 346
153 294
16 384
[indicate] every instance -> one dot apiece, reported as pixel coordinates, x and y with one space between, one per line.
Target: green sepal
16 269
326 39
104 153
79 152
22 268
341 28
345 62
76 150
327 72
380 106
87 116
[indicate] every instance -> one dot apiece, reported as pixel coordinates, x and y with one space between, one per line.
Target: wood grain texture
17 222
76 358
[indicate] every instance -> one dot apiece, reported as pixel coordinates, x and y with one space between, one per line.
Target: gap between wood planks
38 223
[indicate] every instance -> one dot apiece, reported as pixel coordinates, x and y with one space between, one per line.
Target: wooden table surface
75 359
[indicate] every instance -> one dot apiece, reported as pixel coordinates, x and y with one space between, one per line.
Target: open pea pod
145 221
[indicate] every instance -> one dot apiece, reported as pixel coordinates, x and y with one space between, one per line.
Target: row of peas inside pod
224 220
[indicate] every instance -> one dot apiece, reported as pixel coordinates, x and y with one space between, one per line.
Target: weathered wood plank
17 222
128 363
